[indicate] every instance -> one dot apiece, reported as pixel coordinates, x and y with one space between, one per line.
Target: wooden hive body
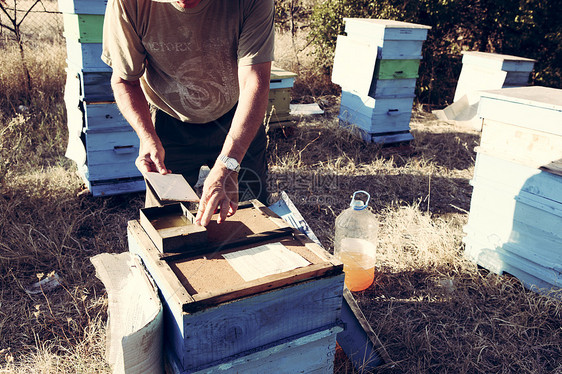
377 64
379 115
215 318
280 84
489 71
101 142
516 208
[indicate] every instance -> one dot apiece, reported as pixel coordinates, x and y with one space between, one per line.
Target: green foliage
526 28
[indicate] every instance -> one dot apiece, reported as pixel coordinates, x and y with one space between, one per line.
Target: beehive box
516 207
217 319
84 28
376 115
85 56
393 39
92 86
488 71
357 68
280 84
279 105
82 6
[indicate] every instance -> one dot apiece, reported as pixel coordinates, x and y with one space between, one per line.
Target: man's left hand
220 191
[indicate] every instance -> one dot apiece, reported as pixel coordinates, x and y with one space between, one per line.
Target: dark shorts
188 146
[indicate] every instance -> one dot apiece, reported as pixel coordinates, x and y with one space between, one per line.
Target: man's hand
151 157
220 190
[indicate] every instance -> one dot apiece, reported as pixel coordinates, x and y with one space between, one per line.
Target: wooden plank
114 187
84 28
171 227
101 140
500 259
82 6
354 64
497 61
396 69
248 323
85 55
111 171
514 177
104 116
376 124
264 284
173 292
312 353
519 144
171 187
535 107
392 88
358 340
96 86
135 321
206 248
386 29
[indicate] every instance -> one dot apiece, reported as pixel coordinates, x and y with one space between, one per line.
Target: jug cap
358 204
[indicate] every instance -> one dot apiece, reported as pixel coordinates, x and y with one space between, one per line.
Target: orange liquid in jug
357 278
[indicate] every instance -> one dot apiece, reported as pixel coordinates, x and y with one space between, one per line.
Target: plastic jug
356 242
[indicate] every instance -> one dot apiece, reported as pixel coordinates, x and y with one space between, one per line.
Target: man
205 66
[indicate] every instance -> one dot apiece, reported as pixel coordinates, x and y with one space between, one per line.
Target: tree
12 13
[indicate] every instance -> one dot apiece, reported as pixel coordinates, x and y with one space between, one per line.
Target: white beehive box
392 39
515 217
491 71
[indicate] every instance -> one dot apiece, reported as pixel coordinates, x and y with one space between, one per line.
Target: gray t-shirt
187 59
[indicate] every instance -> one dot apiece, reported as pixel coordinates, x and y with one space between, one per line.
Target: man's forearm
249 115
133 105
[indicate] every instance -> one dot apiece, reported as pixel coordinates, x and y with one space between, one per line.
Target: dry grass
432 310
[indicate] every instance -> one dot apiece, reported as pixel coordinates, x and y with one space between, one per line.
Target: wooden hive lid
203 277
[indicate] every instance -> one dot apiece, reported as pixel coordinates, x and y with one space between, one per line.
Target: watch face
230 163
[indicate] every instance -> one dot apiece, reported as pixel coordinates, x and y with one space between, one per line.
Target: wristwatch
230 163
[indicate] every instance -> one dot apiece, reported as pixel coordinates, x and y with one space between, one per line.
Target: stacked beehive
257 297
515 215
490 71
280 84
376 65
101 142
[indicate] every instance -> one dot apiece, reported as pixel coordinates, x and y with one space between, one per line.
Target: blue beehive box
516 208
82 6
376 115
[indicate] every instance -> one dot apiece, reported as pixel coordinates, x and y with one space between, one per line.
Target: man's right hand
151 157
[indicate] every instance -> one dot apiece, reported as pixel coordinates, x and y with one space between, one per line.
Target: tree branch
28 11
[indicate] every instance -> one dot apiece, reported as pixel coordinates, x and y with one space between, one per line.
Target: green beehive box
396 69
84 28
279 104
